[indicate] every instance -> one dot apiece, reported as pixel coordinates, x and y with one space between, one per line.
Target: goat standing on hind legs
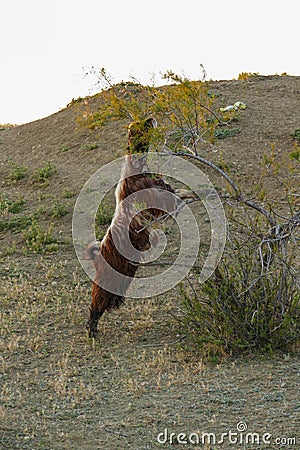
113 267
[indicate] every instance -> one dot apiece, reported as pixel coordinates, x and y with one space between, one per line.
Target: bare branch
233 185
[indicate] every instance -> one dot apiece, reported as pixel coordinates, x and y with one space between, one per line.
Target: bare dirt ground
61 391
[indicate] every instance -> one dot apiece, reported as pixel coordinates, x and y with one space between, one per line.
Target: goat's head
139 135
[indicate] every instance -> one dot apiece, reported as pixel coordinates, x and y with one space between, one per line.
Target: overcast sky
45 44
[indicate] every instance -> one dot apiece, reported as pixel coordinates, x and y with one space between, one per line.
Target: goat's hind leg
98 308
92 323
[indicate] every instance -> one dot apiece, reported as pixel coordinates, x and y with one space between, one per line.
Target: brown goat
130 228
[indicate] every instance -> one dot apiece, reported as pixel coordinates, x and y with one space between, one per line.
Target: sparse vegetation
58 210
17 172
68 193
295 154
147 371
223 133
40 240
8 205
15 224
65 148
6 126
296 135
105 213
92 146
44 173
244 76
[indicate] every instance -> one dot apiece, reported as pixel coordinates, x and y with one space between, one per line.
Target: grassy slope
60 392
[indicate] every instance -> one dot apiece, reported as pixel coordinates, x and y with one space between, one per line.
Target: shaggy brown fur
127 222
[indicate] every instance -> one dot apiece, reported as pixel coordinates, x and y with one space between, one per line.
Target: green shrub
223 133
103 219
92 146
42 174
243 307
15 224
67 193
296 135
244 76
295 155
11 206
58 210
17 173
40 241
104 214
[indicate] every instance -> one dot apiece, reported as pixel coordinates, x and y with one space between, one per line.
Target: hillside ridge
273 105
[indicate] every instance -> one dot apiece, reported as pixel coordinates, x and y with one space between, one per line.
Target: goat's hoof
91 331
92 334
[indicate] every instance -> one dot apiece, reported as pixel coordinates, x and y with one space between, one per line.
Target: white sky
45 44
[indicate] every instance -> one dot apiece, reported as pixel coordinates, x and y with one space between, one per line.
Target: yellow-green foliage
296 153
246 75
9 205
239 309
40 241
6 126
183 105
17 172
45 172
104 214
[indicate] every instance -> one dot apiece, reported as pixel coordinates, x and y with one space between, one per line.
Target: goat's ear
150 123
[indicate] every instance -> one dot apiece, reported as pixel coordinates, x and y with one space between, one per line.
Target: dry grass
61 391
